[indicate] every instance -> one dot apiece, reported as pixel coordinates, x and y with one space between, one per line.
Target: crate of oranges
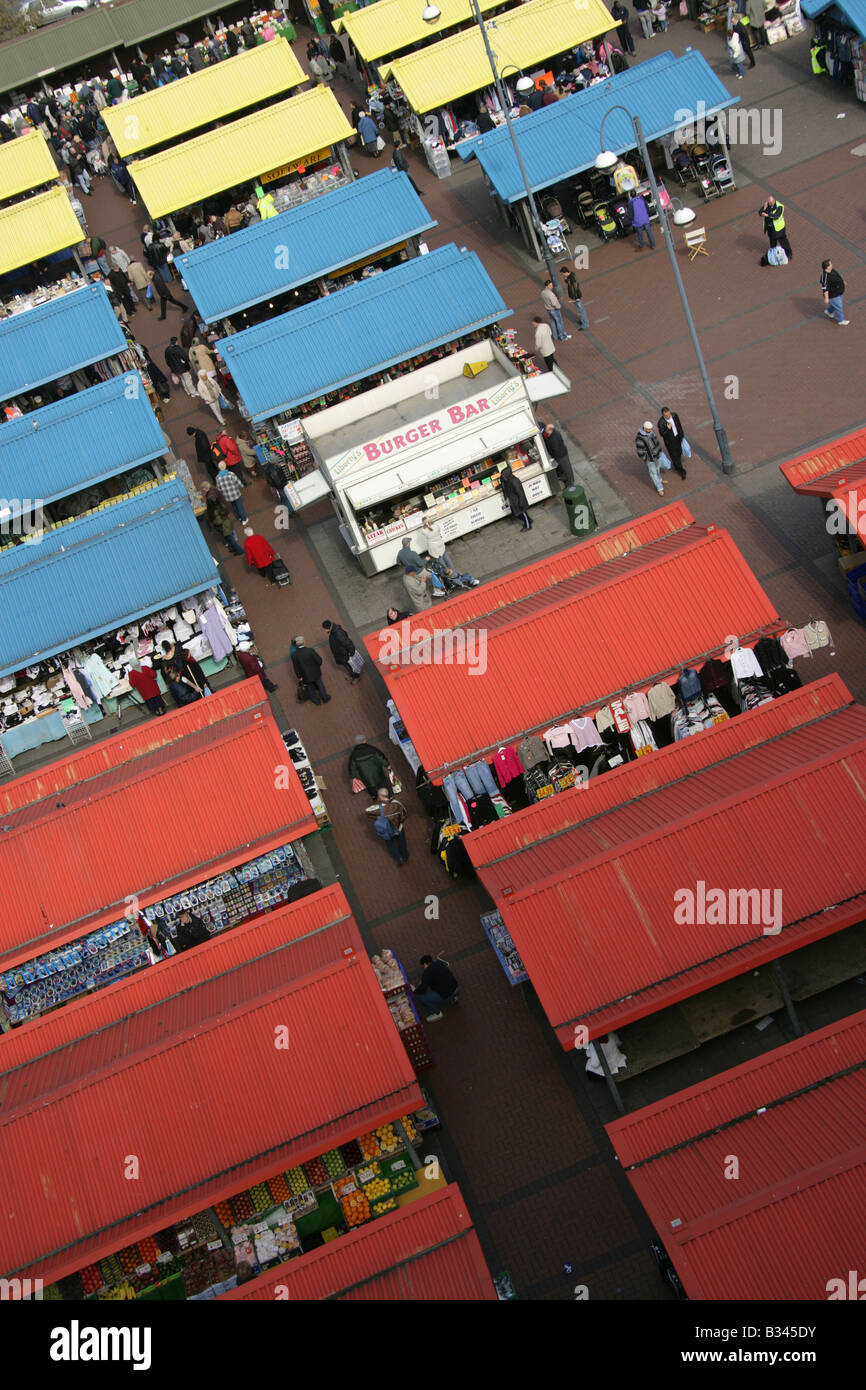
369 1146
356 1209
387 1137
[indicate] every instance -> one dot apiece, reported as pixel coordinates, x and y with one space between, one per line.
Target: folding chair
696 242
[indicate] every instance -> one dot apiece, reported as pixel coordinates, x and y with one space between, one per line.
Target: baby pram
449 582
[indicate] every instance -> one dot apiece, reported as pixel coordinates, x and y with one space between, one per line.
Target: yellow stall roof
522 38
154 117
37 227
389 26
25 163
239 152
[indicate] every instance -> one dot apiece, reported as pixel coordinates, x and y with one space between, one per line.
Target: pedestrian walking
388 817
400 162
203 450
137 276
308 669
741 28
437 987
200 358
773 213
208 388
221 519
756 14
620 14
512 491
650 452
417 583
544 344
558 451
252 666
121 286
368 134
230 449
736 54
166 297
640 220
644 13
343 650
575 296
177 362
260 554
677 447
554 311
231 489
833 287
368 767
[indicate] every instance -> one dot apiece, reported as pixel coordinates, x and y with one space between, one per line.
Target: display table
43 728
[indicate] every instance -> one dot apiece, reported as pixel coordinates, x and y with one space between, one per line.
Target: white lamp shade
525 84
606 159
683 216
430 14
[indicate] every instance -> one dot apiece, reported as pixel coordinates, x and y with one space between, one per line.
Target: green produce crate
401 1179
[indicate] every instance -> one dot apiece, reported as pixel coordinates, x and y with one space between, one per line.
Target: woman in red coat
143 679
260 554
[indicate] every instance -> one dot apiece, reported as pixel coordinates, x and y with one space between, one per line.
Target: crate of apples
297 1181
317 1174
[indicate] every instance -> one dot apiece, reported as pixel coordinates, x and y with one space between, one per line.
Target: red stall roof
794 1218
591 899
574 646
427 1250
189 1081
832 468
148 814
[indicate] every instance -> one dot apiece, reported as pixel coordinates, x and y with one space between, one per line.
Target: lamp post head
525 84
682 216
605 160
431 13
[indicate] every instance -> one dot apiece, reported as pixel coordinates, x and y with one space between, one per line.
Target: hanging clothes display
745 663
818 635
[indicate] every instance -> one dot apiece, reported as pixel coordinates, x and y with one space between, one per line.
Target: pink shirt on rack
506 765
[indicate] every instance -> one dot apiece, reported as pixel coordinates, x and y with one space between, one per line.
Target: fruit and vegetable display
297 1180
280 1190
379 1187
387 1137
356 1209
261 1197
223 1213
383 1205
402 1181
351 1153
91 1278
317 1173
333 1161
242 1207
369 1146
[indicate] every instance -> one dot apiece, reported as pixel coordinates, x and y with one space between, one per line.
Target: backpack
156 254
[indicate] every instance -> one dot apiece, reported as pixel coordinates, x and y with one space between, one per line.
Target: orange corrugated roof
194 1086
794 1218
821 471
161 821
427 1250
574 645
591 906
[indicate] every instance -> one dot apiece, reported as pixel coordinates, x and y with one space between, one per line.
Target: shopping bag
380 143
396 785
223 403
357 784
356 663
148 294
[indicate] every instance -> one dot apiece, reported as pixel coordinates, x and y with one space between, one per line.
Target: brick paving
522 1124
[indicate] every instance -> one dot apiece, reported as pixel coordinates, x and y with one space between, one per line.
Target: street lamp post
430 14
605 160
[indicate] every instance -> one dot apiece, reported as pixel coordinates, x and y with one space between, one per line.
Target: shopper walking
742 30
649 451
231 490
252 666
221 519
416 582
400 162
200 358
343 649
640 220
572 289
544 344
773 213
121 286
620 14
208 389
166 297
260 554
736 54
677 447
756 15
308 669
388 817
137 276
644 13
368 134
230 449
512 491
554 311
833 287
203 451
558 451
369 766
177 362
437 987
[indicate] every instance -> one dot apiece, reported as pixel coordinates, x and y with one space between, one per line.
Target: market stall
400 317
310 128
37 227
25 163
391 26
333 1154
54 332
392 462
328 239
840 31
164 115
836 474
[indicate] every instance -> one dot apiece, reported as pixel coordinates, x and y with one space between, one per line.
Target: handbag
356 662
223 403
302 692
396 785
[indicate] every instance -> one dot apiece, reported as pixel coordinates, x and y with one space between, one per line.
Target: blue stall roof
66 333
363 329
80 440
850 12
99 573
561 140
322 235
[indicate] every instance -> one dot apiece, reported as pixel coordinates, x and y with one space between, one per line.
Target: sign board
291 430
304 163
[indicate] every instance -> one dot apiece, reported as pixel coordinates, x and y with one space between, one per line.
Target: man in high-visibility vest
265 203
819 64
773 214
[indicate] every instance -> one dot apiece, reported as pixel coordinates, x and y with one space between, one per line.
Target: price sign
535 489
476 516
373 537
395 528
449 528
142 1270
165 1258
544 791
291 430
214 1245
567 780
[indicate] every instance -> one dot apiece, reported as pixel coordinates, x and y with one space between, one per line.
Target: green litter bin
581 517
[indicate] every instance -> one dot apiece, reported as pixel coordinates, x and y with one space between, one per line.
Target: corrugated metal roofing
169 1099
362 329
851 12
256 74
586 640
593 910
79 440
794 1218
341 227
57 46
25 163
69 332
175 815
824 471
240 151
138 20
37 227
522 38
427 1250
396 25
100 572
561 140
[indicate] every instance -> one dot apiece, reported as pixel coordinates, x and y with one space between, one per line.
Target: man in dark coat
120 285
556 447
191 931
672 437
342 647
401 162
512 491
369 765
203 450
308 668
